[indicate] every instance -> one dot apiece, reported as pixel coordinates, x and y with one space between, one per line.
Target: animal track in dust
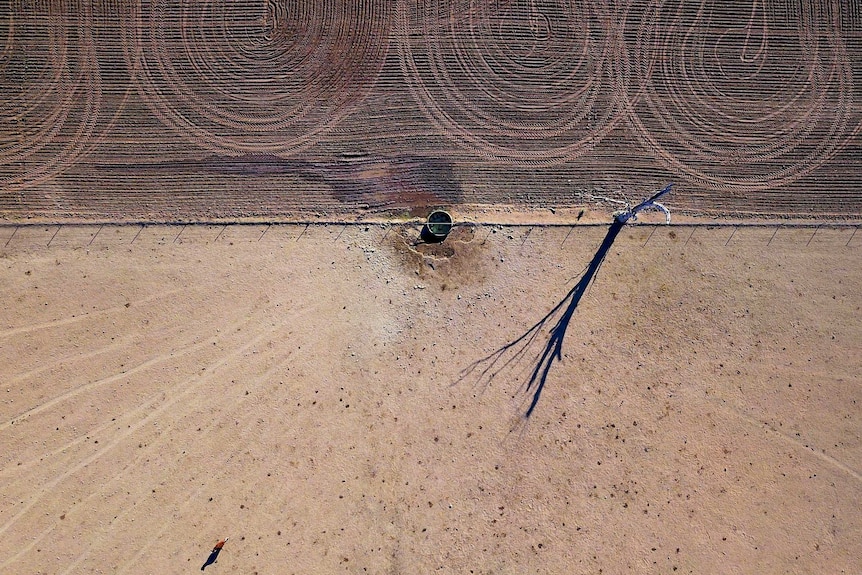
527 81
256 77
735 96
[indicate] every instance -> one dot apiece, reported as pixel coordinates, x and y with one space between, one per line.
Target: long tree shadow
490 366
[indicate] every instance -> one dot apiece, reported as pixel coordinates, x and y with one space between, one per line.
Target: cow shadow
211 559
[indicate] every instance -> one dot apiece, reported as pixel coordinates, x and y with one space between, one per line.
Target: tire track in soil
496 77
223 466
142 367
54 110
86 358
180 391
90 315
532 82
167 331
734 99
240 77
211 478
776 433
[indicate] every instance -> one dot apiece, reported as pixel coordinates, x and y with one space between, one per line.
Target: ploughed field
119 110
298 389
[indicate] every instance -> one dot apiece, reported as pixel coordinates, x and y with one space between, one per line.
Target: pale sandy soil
297 390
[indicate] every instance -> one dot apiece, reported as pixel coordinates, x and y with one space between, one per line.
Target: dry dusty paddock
294 388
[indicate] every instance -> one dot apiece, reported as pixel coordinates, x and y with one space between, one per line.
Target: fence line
828 224
20 228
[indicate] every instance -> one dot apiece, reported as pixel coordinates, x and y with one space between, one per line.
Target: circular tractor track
526 81
733 99
54 109
256 77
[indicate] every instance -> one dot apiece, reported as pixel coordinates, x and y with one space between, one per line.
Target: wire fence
86 235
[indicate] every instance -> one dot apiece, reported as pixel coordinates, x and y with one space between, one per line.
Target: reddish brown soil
280 110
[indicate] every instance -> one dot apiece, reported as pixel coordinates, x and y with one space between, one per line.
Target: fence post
15 231
733 233
94 235
139 233
55 235
649 237
773 234
812 235
855 229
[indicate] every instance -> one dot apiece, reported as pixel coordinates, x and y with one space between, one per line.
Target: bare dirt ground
297 389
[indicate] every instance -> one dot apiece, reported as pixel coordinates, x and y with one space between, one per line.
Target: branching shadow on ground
489 367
